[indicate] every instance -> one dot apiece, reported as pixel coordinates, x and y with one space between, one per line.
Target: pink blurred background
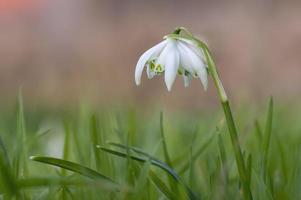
63 51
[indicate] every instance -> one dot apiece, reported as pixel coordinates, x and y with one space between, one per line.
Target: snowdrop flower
173 56
190 57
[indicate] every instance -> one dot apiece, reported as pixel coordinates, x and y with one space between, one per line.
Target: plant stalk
212 70
242 170
237 151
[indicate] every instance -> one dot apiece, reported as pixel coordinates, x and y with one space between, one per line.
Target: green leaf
35 182
142 180
258 131
20 161
166 154
262 190
199 151
249 168
85 171
94 133
282 155
165 151
6 177
154 162
161 185
191 169
267 135
3 153
66 146
223 157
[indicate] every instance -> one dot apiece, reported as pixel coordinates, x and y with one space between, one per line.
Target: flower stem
237 150
241 166
243 174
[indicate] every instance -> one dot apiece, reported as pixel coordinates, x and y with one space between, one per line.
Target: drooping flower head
174 55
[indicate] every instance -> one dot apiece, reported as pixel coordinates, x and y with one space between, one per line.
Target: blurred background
65 51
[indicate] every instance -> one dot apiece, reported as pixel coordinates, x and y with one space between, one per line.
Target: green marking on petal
152 65
187 73
159 69
180 71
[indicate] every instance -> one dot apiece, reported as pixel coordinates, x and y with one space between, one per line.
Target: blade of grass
143 173
258 131
42 182
6 177
21 165
85 171
77 145
95 140
295 176
191 169
156 163
66 146
132 127
135 149
282 153
249 168
267 135
165 152
142 180
201 149
161 185
4 154
131 170
223 157
191 162
262 190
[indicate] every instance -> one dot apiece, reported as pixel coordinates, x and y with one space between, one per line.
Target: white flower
173 56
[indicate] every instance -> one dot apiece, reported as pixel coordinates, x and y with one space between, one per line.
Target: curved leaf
154 162
64 181
85 171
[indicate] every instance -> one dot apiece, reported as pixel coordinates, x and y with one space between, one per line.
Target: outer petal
195 62
171 64
145 57
202 73
162 58
185 62
192 45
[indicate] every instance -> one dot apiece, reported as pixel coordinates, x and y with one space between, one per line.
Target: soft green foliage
138 154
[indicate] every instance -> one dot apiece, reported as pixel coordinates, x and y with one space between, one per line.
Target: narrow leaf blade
85 171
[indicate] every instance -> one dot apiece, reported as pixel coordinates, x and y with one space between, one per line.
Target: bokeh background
66 51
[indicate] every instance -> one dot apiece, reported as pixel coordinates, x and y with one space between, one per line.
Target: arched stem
241 166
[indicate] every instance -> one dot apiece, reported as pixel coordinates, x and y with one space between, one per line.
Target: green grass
109 153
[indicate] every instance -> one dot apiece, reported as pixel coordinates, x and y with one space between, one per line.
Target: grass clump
94 154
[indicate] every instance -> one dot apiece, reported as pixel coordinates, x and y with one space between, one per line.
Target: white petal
192 45
171 64
162 57
187 79
187 41
195 62
145 57
202 73
185 62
